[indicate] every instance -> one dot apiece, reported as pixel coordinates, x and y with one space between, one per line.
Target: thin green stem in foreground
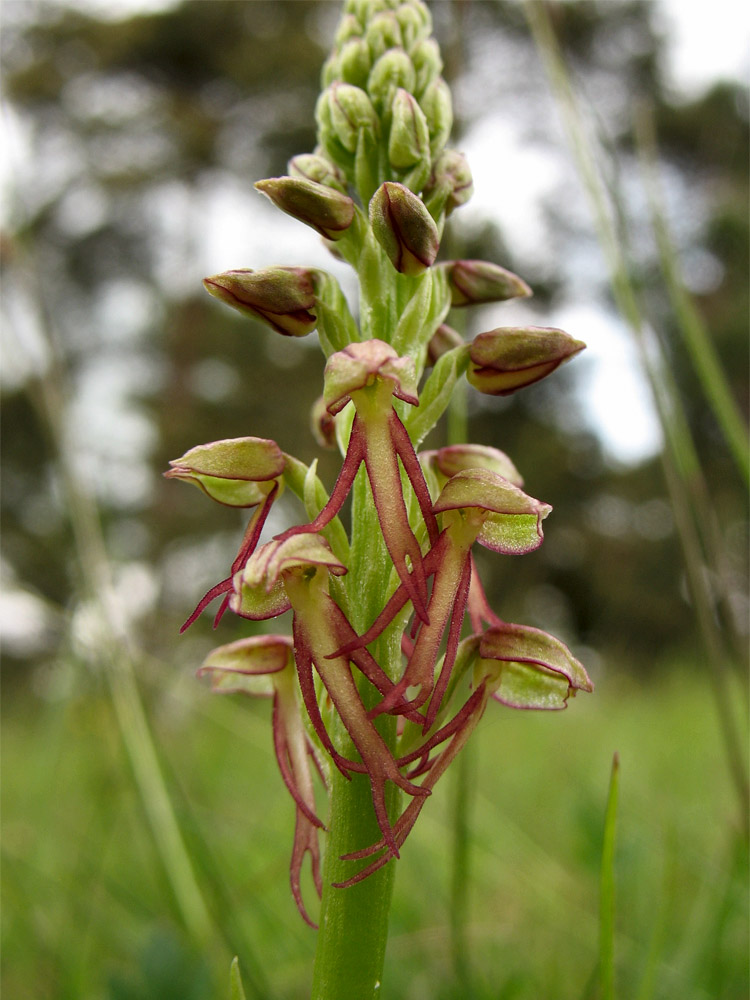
607 899
690 324
693 513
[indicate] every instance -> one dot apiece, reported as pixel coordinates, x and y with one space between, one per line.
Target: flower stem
353 921
353 927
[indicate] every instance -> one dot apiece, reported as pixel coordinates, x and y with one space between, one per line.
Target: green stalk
353 928
463 779
353 921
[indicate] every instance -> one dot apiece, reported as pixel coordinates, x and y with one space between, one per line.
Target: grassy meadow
88 911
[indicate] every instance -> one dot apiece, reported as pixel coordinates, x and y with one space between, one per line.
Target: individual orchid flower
294 572
370 374
440 465
263 666
238 472
476 505
517 665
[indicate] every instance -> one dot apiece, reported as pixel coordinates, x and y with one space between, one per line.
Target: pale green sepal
317 168
404 228
415 22
436 394
511 519
511 534
230 492
236 992
526 644
522 685
351 111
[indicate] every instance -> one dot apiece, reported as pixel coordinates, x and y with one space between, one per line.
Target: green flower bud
328 139
451 184
282 297
425 57
238 472
354 62
409 141
393 70
328 211
444 339
364 10
330 72
404 228
383 33
475 281
509 358
438 109
349 27
350 111
415 22
313 167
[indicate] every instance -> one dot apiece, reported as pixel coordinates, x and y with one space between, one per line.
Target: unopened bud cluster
378 188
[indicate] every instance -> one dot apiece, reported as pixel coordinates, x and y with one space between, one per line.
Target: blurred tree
134 131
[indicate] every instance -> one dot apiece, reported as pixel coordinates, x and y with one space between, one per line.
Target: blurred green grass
88 913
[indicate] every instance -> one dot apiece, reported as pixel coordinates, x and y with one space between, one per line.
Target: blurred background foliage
138 139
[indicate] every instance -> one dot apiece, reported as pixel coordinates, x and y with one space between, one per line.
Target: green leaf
298 477
236 992
435 397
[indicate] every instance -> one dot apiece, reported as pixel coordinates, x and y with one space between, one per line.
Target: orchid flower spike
370 374
238 472
263 666
294 572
